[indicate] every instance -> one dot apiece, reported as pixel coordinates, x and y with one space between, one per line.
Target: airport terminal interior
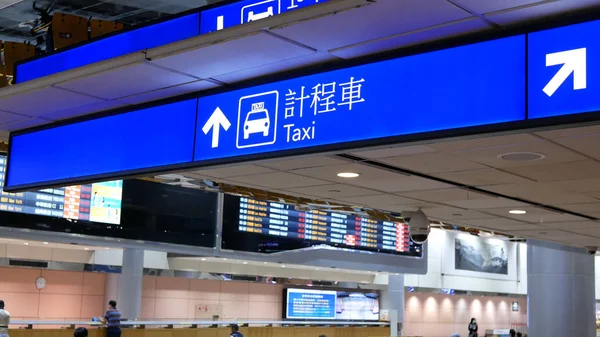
299 168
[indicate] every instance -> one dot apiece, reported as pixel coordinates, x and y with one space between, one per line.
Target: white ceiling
567 178
329 32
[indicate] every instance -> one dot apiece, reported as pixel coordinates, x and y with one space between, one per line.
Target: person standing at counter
235 331
473 328
112 319
4 320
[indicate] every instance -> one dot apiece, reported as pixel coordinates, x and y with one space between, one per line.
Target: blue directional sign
247 11
564 72
472 85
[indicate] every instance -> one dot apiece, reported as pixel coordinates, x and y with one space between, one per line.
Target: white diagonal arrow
573 61
215 122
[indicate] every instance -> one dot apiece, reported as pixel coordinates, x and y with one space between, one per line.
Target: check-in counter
191 329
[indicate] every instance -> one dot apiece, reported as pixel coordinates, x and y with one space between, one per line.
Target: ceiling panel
447 194
484 141
500 224
333 191
379 201
169 92
24 124
370 177
394 151
534 215
430 34
454 214
560 171
350 27
482 177
279 180
585 208
302 162
483 7
84 110
578 185
233 55
490 155
547 8
540 193
277 67
570 226
433 163
569 132
7 117
587 144
232 171
48 100
127 81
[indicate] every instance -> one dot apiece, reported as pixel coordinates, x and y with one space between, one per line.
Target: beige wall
435 315
68 295
79 295
170 298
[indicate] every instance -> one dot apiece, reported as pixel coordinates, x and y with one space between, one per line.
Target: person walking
4 320
473 328
112 319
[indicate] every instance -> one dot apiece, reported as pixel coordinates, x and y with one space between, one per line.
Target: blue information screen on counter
310 304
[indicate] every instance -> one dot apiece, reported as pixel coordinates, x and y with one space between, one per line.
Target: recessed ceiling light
45 243
245 262
521 156
265 262
203 259
517 211
86 248
348 175
283 266
26 243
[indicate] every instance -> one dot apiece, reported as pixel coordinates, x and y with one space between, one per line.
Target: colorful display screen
98 202
285 220
331 305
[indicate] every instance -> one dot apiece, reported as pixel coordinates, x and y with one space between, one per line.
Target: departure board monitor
98 202
267 226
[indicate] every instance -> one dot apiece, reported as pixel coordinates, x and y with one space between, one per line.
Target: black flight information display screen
98 202
269 226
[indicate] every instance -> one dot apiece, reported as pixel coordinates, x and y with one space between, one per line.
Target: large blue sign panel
153 137
118 45
248 11
472 85
564 70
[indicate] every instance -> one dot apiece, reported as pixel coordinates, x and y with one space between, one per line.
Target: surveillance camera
592 250
418 224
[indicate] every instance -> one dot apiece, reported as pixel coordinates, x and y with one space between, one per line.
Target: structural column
392 300
560 291
130 284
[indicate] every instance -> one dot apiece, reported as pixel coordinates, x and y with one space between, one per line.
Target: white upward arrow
215 122
573 61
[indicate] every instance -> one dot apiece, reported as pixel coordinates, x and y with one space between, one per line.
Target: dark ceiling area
17 18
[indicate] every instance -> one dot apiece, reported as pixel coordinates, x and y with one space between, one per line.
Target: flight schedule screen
288 221
98 202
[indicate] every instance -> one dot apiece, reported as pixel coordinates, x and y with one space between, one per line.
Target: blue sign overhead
110 145
248 11
114 46
460 87
564 72
473 85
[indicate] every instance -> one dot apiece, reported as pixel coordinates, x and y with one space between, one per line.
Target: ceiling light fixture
348 175
86 248
517 212
203 259
521 156
45 243
245 262
26 243
283 266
